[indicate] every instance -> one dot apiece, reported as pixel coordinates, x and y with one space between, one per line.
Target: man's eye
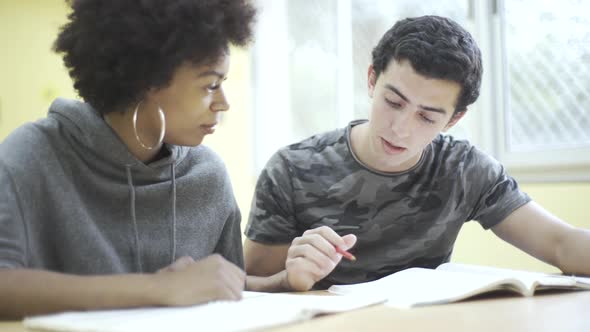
393 104
426 119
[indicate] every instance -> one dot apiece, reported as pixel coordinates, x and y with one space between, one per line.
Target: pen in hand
345 254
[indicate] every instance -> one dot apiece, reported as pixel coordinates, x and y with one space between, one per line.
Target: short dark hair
437 47
116 50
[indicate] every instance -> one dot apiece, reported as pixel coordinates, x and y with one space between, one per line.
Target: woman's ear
454 119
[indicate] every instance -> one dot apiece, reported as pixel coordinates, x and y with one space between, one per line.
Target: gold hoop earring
162 129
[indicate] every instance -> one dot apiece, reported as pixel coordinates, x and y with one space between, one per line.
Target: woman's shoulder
204 161
30 141
27 151
204 154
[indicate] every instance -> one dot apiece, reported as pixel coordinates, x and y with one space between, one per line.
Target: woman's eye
213 87
216 85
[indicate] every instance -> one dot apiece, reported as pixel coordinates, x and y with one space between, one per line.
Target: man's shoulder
311 157
318 143
460 158
323 148
453 150
449 142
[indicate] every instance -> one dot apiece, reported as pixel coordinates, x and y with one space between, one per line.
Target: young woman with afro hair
111 201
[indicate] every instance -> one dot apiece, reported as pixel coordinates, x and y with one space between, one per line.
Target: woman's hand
188 282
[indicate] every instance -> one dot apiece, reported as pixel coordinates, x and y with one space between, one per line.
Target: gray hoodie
74 199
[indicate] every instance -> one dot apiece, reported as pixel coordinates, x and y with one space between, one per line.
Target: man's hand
313 256
188 282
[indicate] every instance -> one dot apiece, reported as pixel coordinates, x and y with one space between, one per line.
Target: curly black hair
437 47
116 50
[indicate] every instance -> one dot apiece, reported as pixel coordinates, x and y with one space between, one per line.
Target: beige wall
31 76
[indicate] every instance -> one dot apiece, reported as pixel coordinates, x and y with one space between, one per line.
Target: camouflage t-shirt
401 220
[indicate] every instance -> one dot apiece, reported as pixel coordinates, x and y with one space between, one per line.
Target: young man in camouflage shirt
393 189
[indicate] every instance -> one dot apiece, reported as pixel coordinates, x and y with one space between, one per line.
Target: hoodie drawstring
132 207
173 230
134 218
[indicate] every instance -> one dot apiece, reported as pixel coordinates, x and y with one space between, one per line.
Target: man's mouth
392 148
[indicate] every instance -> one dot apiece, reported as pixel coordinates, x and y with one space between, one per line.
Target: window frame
567 164
486 123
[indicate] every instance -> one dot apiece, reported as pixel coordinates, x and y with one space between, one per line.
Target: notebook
256 310
452 282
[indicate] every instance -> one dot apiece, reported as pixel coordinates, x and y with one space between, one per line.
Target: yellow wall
566 200
31 76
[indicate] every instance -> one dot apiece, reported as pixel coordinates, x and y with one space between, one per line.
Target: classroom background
31 76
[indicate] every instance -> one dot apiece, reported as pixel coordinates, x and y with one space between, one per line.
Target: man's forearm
29 292
574 252
274 283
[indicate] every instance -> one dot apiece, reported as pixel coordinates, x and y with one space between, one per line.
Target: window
311 59
544 86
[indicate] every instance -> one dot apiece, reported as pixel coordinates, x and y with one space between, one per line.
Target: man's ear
454 119
371 80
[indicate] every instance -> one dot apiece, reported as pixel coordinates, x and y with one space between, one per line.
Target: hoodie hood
99 142
99 145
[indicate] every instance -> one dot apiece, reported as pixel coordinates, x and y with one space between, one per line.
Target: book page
256 310
532 280
418 286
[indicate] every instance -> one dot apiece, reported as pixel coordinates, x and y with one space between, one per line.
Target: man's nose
401 124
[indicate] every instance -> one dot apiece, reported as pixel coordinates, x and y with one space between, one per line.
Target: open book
452 282
256 310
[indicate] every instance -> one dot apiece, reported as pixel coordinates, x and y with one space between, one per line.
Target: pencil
345 254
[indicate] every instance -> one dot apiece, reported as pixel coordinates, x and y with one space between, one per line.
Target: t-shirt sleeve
494 194
12 231
272 217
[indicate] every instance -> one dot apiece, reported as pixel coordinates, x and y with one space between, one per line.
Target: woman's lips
208 128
